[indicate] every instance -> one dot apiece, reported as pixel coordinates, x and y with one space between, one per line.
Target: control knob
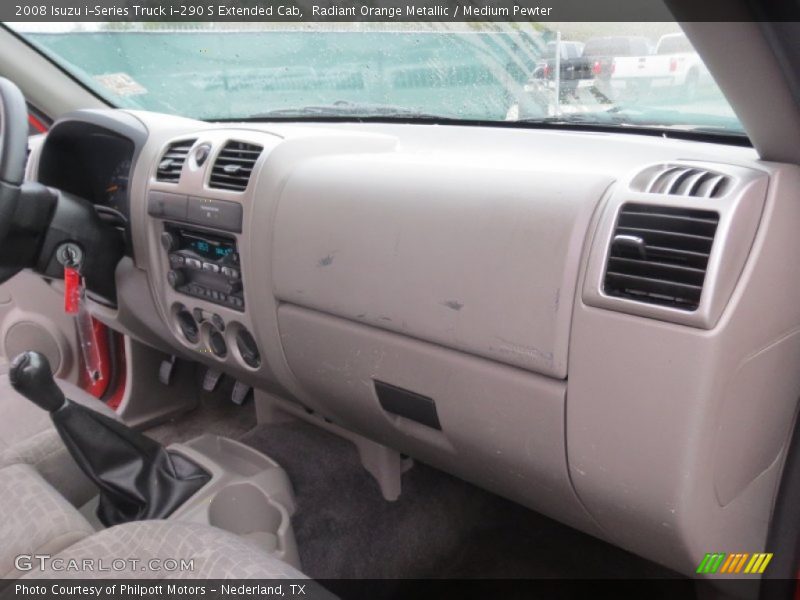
168 242
176 278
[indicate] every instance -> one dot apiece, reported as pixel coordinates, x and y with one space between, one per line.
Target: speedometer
117 188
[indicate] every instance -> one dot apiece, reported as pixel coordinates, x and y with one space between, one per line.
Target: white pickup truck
686 69
672 65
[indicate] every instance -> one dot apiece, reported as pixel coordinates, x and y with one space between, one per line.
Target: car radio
204 265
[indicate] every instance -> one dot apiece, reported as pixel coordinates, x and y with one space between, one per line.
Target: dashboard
564 318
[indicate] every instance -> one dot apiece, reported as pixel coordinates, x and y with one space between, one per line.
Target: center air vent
681 180
659 254
171 164
234 165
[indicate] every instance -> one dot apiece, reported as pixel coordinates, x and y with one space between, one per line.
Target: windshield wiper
344 108
580 118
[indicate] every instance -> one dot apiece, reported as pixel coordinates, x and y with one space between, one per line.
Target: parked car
606 51
685 68
572 66
635 67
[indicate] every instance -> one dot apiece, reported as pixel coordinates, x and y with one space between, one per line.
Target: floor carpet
440 527
215 414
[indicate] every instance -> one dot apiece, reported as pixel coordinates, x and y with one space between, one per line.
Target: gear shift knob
32 377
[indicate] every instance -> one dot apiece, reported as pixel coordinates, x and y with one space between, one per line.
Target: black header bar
294 11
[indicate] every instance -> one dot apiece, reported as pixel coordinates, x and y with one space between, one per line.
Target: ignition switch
69 255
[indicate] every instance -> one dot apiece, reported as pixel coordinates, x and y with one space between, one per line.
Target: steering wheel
13 150
38 221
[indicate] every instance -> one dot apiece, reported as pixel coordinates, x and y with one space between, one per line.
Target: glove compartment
498 426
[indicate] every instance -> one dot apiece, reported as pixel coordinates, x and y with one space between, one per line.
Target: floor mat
440 527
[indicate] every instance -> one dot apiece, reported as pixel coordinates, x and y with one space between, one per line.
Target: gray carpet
440 526
215 414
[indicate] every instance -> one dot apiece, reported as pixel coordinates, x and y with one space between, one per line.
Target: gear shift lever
138 478
32 377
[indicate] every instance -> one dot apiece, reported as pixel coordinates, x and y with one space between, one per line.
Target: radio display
212 249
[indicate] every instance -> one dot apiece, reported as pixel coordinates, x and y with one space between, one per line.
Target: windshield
610 74
617 46
674 44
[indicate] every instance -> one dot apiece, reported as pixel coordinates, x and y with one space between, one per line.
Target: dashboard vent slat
680 180
676 223
171 163
659 254
234 166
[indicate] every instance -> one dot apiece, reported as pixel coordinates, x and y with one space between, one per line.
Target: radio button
176 279
231 273
176 260
193 263
210 267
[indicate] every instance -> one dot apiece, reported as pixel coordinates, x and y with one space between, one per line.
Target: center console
249 494
199 202
200 195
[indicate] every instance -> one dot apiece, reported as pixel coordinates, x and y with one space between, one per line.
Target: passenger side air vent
234 165
171 164
659 254
681 180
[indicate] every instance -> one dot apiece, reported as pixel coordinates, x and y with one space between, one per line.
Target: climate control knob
176 278
168 242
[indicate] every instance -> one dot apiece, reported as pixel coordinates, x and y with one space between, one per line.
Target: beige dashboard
602 327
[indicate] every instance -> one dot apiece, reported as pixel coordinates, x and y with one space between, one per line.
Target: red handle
72 290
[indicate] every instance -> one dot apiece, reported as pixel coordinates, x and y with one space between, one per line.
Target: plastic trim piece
739 209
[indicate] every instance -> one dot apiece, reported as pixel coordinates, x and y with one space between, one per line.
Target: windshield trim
731 139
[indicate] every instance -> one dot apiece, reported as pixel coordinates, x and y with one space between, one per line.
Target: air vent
682 180
171 164
234 165
659 255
